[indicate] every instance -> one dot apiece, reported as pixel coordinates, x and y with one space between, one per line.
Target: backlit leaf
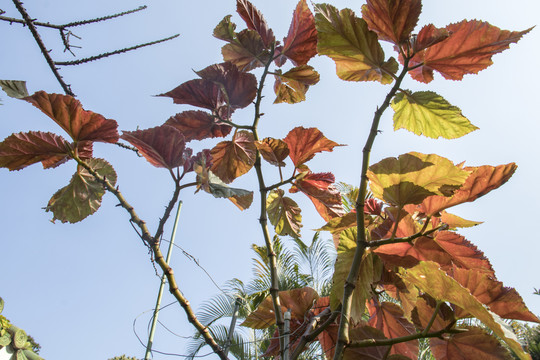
198 125
340 223
234 158
300 45
18 151
472 344
255 21
430 279
413 177
305 143
467 50
247 51
225 29
298 301
82 197
428 36
197 92
392 20
210 183
370 272
80 124
426 113
424 310
482 180
284 214
14 88
363 332
163 146
354 48
454 221
273 150
320 189
389 318
291 87
503 301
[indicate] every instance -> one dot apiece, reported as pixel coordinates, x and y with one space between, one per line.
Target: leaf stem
377 243
343 333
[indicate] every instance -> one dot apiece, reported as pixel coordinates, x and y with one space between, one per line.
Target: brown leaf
234 158
197 92
300 45
428 36
20 150
255 21
163 146
273 150
467 50
80 124
198 125
322 192
305 143
247 51
291 87
392 20
423 312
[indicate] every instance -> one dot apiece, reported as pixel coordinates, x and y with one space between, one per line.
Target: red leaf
322 192
198 125
305 143
389 318
300 45
197 92
238 88
392 20
234 158
273 150
255 21
18 151
80 124
163 146
428 36
467 50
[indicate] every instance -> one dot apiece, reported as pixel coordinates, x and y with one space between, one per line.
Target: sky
77 288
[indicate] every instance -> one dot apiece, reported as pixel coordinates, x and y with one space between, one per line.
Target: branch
84 22
275 186
42 47
120 51
377 243
168 209
343 333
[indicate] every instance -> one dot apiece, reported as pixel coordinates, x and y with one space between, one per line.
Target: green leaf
14 88
82 197
370 271
355 49
284 214
413 177
291 87
225 29
429 278
429 114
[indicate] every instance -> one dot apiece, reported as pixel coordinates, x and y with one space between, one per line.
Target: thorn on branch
108 17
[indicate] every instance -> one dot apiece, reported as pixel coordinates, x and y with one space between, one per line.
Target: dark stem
377 243
84 22
343 333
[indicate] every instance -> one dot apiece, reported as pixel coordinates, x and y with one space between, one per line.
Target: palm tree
297 267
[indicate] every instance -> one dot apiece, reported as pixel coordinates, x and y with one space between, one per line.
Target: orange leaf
198 125
467 50
234 158
273 150
392 20
305 143
80 124
300 45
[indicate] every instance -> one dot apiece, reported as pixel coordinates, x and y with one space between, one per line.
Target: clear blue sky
77 288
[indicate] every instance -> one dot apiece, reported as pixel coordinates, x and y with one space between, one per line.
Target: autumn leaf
80 124
413 177
503 301
14 88
82 197
467 50
426 113
163 146
355 49
273 150
246 51
322 192
389 318
234 158
482 180
340 223
454 221
198 125
255 21
20 150
428 36
300 45
430 279
283 213
305 143
370 272
474 343
392 20
291 86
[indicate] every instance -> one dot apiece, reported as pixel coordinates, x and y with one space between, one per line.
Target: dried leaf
14 88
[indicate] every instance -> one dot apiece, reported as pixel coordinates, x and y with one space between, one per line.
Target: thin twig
42 47
377 243
120 51
84 22
128 147
275 186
